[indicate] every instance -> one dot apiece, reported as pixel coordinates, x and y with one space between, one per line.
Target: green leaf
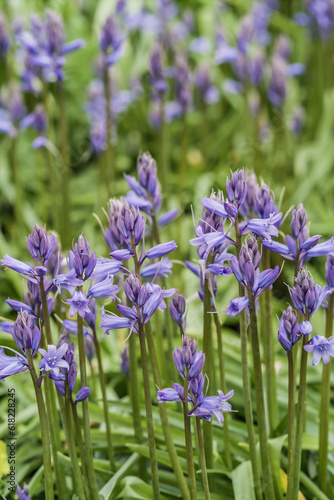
242 479
108 488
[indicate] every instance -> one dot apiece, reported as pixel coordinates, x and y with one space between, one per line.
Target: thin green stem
80 444
222 380
71 445
164 418
189 446
85 414
135 402
65 168
291 424
202 457
44 432
109 174
297 449
325 405
246 386
111 453
261 417
149 415
269 353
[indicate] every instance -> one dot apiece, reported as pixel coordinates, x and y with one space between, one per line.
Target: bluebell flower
72 326
168 217
306 296
78 304
4 37
40 245
81 395
53 359
213 405
111 42
67 281
158 73
125 363
19 306
322 348
161 250
104 288
236 306
265 228
105 268
161 268
23 494
7 327
33 274
177 308
11 365
111 321
26 334
290 331
172 394
80 259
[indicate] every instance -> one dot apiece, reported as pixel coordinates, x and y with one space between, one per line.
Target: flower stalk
189 446
202 458
325 404
291 423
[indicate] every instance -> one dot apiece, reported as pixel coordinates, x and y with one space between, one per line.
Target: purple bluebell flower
264 203
111 321
78 304
320 17
12 110
161 250
125 364
131 225
105 268
247 208
290 331
172 394
322 348
306 296
80 259
213 405
236 188
90 317
161 268
158 76
330 271
177 308
104 288
19 306
23 494
111 42
40 245
168 217
183 99
26 335
67 281
81 395
7 327
53 359
265 228
30 273
72 326
188 362
11 365
38 120
236 306
208 92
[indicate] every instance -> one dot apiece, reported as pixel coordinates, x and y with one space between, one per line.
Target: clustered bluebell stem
290 331
305 295
189 363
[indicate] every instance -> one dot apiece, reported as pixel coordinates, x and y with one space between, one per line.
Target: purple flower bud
81 395
89 346
80 260
298 221
4 37
197 365
132 288
54 32
168 217
131 225
40 246
23 494
178 361
236 306
197 385
236 188
26 334
177 307
264 203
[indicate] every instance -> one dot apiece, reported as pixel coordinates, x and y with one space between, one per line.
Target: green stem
164 157
223 388
164 418
65 169
202 457
261 417
48 490
246 387
80 444
189 446
269 354
50 399
149 415
85 413
135 402
291 424
325 405
109 174
111 453
207 349
71 445
297 450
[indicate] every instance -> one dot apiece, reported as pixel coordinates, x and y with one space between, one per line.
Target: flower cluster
189 364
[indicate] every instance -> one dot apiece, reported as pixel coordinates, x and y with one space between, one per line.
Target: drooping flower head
177 308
